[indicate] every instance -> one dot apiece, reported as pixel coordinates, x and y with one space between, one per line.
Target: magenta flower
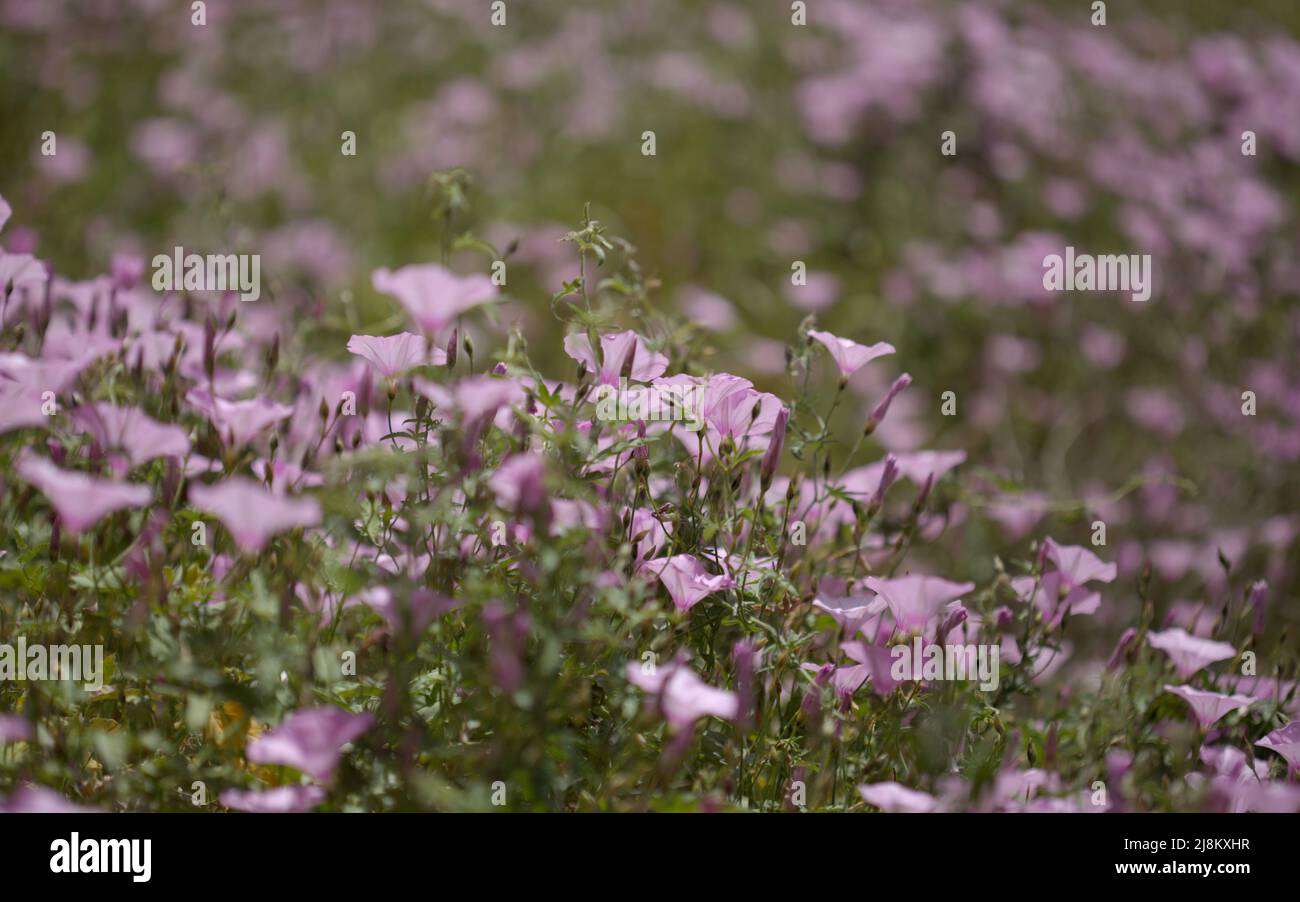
1210 707
614 351
686 579
251 513
848 355
914 600
1190 653
433 295
393 355
131 431
311 740
81 500
682 696
1286 742
891 796
280 800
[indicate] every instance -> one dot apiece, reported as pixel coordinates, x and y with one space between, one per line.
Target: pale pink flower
848 355
417 609
1210 707
310 740
252 513
519 482
915 599
686 579
682 696
1190 653
433 295
81 500
238 421
280 800
393 355
33 799
851 612
614 350
1077 564
891 796
14 728
131 431
1286 742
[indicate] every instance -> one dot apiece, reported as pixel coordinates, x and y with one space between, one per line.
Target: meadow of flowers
634 395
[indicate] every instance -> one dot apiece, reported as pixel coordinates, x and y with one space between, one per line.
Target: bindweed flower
849 356
280 800
1190 653
915 600
129 430
681 696
687 580
394 355
1210 707
621 354
310 740
252 513
433 295
1286 742
882 408
81 500
772 456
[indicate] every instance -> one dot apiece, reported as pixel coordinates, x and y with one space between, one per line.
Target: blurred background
776 143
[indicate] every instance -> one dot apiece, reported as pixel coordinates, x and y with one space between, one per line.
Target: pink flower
131 431
30 799
1052 597
433 295
1190 653
614 351
686 579
850 612
1078 565
772 456
252 513
848 355
393 355
519 482
238 422
914 600
311 740
280 800
918 466
1209 707
80 500
890 796
14 728
421 606
1286 742
682 696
